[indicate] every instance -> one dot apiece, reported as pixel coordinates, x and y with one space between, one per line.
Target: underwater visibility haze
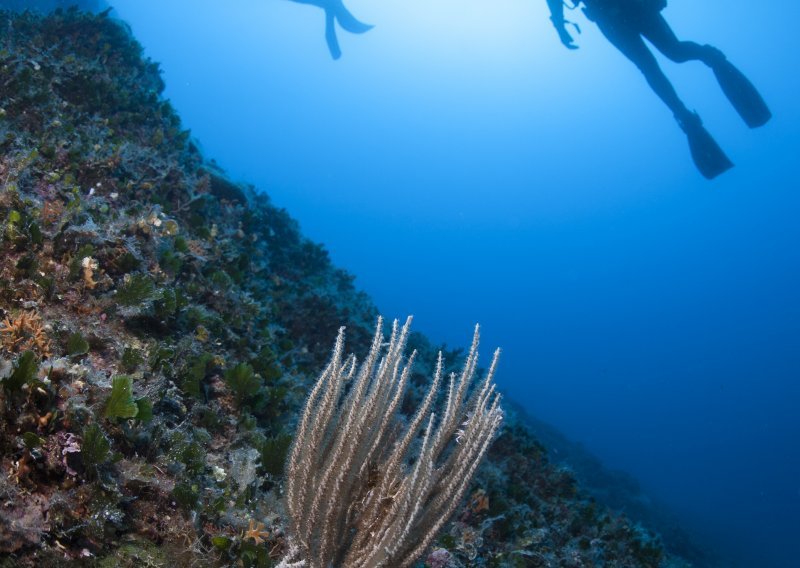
466 167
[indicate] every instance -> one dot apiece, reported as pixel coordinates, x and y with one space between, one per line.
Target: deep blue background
466 167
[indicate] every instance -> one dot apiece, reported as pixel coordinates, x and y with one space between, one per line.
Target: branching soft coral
361 489
25 333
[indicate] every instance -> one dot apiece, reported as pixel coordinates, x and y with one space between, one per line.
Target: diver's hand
565 38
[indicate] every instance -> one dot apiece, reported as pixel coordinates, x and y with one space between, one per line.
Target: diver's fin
706 153
741 93
330 35
349 22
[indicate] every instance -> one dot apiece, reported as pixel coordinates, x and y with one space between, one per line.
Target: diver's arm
557 17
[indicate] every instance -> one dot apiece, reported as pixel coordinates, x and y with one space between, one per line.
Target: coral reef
160 328
45 6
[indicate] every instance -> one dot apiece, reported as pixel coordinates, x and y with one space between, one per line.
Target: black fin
349 22
706 153
744 97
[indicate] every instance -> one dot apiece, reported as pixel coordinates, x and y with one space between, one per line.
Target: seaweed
273 452
131 360
76 344
135 290
95 448
244 382
120 403
144 410
24 372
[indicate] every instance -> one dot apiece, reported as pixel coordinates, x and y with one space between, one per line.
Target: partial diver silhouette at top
335 11
625 23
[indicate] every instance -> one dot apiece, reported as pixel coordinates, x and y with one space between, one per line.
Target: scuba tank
593 8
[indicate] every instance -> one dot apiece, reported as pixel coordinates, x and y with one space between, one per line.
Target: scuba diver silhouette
335 11
625 23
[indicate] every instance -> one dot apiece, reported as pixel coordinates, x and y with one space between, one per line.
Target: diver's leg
744 97
330 34
630 43
707 155
656 29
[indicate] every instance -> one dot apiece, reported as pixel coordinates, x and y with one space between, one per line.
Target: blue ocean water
466 167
